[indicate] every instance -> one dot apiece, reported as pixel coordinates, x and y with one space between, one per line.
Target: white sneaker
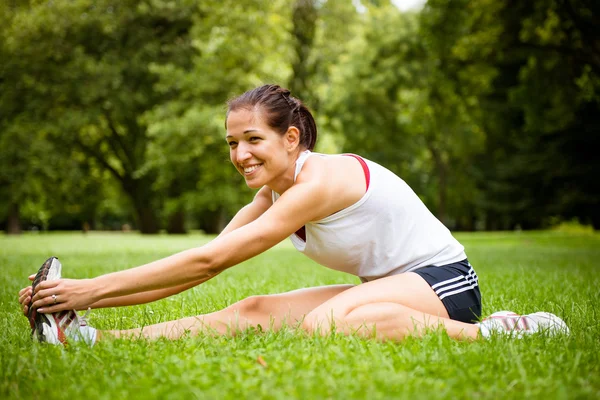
512 324
61 327
49 271
58 328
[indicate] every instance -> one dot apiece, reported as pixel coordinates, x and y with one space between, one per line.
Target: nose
242 153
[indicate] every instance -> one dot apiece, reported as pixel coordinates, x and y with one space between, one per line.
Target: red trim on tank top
364 167
301 233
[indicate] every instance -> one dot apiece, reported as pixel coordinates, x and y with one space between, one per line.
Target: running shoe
510 323
49 271
61 327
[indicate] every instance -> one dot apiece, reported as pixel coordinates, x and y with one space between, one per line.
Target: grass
523 272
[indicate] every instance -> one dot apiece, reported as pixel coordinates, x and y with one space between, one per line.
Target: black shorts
457 287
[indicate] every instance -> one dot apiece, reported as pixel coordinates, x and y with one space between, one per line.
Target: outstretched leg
269 311
391 308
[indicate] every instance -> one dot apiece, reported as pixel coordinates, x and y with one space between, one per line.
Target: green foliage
84 67
571 227
537 114
114 110
188 148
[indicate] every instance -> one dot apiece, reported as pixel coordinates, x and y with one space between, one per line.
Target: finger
44 297
24 299
45 302
25 310
47 285
32 277
25 290
42 293
54 308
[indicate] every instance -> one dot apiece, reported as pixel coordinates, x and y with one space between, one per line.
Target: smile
249 170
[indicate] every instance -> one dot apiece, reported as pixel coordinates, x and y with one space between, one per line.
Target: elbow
206 266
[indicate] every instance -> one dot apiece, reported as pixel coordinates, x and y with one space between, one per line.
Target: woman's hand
64 294
25 296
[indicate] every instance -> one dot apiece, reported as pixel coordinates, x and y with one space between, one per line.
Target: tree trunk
13 225
222 220
443 193
303 30
442 175
143 200
176 222
147 220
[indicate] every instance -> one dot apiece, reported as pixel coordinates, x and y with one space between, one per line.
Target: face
260 154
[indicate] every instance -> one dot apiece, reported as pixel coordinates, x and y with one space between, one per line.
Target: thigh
407 289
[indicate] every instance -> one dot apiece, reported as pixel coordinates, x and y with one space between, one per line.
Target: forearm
262 201
185 268
144 297
195 265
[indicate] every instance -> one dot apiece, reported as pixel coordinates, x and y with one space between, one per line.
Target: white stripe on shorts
460 283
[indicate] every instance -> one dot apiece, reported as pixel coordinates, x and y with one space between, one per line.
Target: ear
292 138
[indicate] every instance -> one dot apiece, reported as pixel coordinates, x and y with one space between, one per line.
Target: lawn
522 272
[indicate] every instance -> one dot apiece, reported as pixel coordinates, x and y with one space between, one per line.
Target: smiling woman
343 211
265 128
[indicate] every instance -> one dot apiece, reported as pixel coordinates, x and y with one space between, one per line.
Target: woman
343 211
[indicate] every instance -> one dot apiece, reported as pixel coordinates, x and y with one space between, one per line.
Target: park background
112 112
112 118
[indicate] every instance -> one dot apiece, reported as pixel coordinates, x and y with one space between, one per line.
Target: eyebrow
245 132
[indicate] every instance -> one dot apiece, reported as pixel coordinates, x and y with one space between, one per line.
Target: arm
261 202
304 201
129 300
144 297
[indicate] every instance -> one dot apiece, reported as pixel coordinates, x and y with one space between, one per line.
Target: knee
251 305
309 323
321 323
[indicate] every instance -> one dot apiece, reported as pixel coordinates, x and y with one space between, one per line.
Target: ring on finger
54 298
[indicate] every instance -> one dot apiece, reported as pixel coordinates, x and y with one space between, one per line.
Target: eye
254 138
232 144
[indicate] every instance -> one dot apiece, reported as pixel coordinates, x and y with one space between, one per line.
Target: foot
62 327
50 270
509 323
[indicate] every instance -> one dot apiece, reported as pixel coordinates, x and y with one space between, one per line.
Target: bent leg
391 307
269 311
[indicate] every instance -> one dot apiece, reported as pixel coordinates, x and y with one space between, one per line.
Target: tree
396 105
540 114
188 148
86 67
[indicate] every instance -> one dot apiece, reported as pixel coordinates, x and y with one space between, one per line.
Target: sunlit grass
523 272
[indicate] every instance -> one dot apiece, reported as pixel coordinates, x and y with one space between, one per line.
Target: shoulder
329 169
334 181
315 170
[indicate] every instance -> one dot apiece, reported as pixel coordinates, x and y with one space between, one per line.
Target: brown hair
280 111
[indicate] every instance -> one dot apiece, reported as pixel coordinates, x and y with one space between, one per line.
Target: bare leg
269 311
390 308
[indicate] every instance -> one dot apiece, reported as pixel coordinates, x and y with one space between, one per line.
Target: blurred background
112 111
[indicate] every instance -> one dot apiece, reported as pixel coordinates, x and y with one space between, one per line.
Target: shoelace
84 318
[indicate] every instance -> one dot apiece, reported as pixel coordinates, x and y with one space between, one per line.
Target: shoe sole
37 320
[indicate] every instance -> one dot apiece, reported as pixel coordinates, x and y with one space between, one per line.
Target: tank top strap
300 162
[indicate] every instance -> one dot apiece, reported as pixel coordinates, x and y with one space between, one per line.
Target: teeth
247 170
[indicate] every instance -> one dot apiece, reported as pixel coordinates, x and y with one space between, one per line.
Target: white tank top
387 232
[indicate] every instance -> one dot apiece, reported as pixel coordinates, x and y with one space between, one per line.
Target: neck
286 180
